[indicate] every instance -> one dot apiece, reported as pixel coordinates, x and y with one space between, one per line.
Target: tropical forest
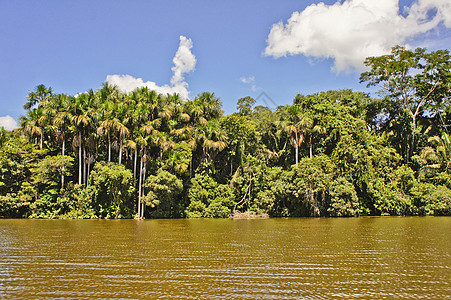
341 153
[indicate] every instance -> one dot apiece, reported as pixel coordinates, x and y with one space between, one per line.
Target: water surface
317 258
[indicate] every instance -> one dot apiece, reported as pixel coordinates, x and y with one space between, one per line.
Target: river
307 258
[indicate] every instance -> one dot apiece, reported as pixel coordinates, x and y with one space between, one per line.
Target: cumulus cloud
184 62
8 123
351 30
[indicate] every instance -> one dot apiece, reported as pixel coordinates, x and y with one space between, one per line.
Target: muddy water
357 258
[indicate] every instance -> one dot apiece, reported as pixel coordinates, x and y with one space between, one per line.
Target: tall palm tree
57 110
296 127
142 141
31 125
211 138
107 123
40 93
121 120
81 121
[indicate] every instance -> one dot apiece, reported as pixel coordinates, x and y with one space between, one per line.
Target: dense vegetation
106 154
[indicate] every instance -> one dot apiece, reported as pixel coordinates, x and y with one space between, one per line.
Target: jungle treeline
108 154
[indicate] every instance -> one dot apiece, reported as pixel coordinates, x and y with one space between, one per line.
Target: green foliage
343 199
244 105
179 159
273 186
49 171
78 201
14 205
311 181
164 190
112 193
392 196
415 83
333 153
431 199
46 178
208 198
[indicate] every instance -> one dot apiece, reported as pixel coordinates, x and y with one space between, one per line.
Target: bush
344 201
208 198
112 188
164 192
432 200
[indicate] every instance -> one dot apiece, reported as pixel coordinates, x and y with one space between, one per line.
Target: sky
267 49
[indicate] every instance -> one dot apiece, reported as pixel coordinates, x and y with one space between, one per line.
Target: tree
40 94
81 120
16 190
344 200
211 138
297 125
48 169
44 177
208 198
244 105
416 81
164 194
3 136
113 190
241 137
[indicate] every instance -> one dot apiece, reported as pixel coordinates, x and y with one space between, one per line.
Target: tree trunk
84 164
297 154
79 161
120 153
139 187
109 148
311 147
134 164
142 190
412 144
87 174
62 170
42 139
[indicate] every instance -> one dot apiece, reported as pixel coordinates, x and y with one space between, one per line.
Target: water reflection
223 259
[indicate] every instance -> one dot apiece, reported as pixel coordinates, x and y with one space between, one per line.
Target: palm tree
296 127
57 110
81 120
141 140
205 107
211 138
122 118
441 155
32 126
39 94
108 97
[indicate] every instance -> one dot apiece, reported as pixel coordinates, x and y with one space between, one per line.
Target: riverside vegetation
108 154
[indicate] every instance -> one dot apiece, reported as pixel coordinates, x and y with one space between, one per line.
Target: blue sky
232 48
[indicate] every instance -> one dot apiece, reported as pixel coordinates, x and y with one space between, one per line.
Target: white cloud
8 123
184 62
351 30
250 81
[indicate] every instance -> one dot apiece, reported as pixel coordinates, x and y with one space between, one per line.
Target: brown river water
311 258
